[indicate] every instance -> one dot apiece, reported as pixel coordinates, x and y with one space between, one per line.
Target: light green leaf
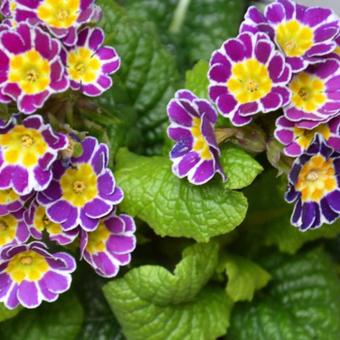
196 80
240 168
6 314
54 321
173 207
244 277
302 303
151 303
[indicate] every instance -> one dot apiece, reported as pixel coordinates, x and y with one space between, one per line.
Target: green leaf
152 303
244 277
240 168
55 321
6 314
303 301
196 80
148 70
174 207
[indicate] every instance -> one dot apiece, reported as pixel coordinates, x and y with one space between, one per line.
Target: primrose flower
297 140
29 275
314 186
196 154
89 64
10 201
315 94
110 245
27 151
302 33
247 75
38 222
84 192
30 67
13 229
62 17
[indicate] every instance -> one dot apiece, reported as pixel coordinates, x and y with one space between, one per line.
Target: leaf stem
179 16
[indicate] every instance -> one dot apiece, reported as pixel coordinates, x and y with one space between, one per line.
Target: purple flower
29 275
297 140
62 18
196 154
84 192
38 222
315 94
10 201
30 67
27 151
303 33
13 230
89 64
110 245
314 186
247 75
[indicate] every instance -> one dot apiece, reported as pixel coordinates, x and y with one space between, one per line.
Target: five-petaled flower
247 75
29 275
84 192
27 151
89 64
304 34
314 186
110 246
195 154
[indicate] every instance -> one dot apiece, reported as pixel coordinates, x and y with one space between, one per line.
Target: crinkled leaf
196 80
148 71
152 303
303 301
6 314
52 321
244 277
173 207
240 168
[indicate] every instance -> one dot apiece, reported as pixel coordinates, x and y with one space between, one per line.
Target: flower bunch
284 61
56 187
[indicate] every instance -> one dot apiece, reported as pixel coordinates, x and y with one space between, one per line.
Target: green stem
179 16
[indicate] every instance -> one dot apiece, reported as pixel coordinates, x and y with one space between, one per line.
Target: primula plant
169 170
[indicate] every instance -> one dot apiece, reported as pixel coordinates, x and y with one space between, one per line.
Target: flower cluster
46 48
56 187
285 61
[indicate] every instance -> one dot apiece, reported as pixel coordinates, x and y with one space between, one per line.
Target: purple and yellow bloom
314 186
27 151
29 275
196 153
315 94
84 192
38 223
296 140
247 75
63 17
89 64
10 201
302 33
110 246
13 229
30 67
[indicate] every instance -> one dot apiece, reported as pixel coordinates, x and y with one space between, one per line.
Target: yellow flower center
82 65
59 14
337 50
294 38
97 239
30 71
8 229
8 196
28 265
316 179
305 137
23 146
42 222
200 144
249 81
307 92
79 185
